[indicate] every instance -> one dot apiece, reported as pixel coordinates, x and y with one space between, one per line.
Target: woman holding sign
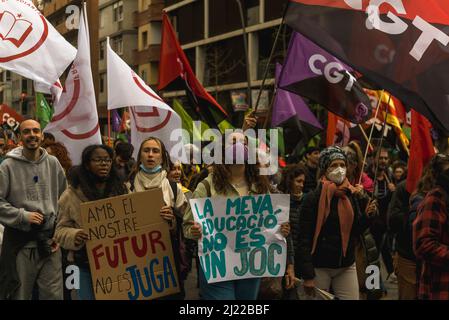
150 172
93 180
331 219
238 179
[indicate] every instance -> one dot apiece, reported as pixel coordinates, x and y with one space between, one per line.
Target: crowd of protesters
344 216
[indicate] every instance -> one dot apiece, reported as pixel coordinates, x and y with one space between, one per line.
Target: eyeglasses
99 161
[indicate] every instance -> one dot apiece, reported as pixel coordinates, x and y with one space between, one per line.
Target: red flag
124 124
337 131
421 150
176 72
7 113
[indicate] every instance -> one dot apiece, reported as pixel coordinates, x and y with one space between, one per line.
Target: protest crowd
338 218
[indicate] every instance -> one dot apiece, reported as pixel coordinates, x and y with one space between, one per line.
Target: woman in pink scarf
332 218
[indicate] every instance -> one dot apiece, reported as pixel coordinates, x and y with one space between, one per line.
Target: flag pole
245 45
109 129
270 111
109 111
380 146
267 68
370 137
366 137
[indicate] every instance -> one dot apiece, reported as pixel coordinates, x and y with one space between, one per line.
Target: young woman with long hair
230 180
150 172
93 180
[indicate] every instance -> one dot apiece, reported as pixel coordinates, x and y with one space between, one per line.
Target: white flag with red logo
75 120
55 89
30 45
150 115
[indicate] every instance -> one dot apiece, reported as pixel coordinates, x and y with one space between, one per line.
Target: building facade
117 21
148 21
211 34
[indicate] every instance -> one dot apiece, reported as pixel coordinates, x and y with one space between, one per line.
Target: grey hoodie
30 186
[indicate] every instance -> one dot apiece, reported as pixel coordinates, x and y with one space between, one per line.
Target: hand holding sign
167 214
241 237
81 237
195 231
285 229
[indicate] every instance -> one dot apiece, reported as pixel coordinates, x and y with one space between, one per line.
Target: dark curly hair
60 152
81 176
290 173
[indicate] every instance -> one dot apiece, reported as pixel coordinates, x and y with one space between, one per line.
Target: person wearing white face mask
331 219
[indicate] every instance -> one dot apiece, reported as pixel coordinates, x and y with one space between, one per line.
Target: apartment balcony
151 54
153 13
55 6
69 35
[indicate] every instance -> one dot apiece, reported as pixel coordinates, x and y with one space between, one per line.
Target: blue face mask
156 169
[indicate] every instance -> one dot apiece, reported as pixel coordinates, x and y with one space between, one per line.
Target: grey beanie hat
330 154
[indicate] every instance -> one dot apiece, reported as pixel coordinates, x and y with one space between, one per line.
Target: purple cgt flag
312 72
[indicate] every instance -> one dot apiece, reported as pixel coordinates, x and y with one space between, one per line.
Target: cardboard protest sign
129 250
241 236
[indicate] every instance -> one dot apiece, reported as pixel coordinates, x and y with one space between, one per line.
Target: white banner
30 45
241 236
150 115
77 104
75 121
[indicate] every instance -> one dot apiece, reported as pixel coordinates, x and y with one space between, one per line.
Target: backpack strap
207 186
174 188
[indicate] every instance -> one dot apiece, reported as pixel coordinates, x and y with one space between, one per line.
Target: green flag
225 124
43 110
187 121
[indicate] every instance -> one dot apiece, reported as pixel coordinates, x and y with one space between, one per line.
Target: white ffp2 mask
337 175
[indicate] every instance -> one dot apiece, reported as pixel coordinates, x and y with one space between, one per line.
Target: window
102 18
102 83
118 11
102 49
144 39
24 85
144 76
119 45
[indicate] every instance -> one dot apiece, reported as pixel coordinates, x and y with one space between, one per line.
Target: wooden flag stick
370 137
366 137
109 128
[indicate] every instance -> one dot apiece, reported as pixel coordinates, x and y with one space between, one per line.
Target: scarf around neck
147 181
345 211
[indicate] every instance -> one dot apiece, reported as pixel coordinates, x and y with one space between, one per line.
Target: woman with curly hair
93 180
58 150
230 180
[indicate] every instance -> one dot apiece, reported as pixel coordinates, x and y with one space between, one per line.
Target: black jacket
13 241
295 206
311 181
398 214
329 252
